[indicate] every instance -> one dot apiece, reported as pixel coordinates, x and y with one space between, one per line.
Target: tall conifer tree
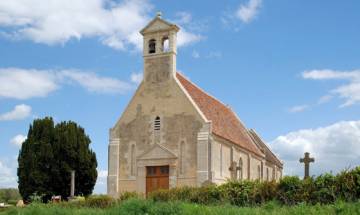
49 154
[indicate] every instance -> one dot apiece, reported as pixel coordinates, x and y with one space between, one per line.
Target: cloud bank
335 147
8 176
247 12
18 113
29 83
350 91
18 140
116 24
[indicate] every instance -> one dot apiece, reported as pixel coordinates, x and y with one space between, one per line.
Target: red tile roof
225 123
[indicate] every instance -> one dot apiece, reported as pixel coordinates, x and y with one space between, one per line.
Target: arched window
259 172
132 167
165 44
157 124
152 46
240 169
182 159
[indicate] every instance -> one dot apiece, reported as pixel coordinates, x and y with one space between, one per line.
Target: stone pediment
157 152
158 24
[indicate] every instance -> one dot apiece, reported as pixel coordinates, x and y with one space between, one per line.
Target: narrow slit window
132 167
157 124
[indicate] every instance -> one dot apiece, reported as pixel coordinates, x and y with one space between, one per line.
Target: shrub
128 195
12 202
209 194
356 177
240 193
306 194
324 190
264 192
346 186
99 201
290 190
202 195
160 195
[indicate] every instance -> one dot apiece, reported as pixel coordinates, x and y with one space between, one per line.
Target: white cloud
334 147
115 23
185 21
94 83
350 91
18 140
100 186
23 84
28 83
185 38
247 12
183 17
8 176
19 112
195 54
299 108
58 21
325 99
137 77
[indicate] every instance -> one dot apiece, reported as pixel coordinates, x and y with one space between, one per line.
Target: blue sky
290 69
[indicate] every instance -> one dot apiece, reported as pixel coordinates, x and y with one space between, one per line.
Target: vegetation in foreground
48 155
9 195
290 190
141 206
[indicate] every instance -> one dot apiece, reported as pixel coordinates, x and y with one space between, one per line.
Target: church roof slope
269 155
225 123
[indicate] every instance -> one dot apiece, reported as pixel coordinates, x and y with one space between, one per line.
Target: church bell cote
159 50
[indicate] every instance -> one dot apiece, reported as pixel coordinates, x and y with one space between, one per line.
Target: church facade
172 133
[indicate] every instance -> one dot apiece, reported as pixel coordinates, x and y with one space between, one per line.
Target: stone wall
223 153
244 157
180 124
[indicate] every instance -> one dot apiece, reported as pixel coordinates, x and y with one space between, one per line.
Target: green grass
138 206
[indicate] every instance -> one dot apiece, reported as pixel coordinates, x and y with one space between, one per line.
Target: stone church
173 133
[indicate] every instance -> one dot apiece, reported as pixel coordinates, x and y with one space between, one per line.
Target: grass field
138 206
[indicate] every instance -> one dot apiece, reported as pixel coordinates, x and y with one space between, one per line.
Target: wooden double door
157 178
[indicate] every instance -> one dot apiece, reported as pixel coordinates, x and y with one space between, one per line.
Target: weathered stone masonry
171 122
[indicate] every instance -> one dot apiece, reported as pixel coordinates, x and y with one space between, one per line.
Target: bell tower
159 52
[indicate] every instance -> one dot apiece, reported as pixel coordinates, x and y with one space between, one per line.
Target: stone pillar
203 156
172 176
141 178
113 166
72 188
249 167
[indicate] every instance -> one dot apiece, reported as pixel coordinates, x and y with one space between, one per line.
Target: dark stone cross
307 160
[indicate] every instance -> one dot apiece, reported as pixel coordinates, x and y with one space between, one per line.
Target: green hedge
290 190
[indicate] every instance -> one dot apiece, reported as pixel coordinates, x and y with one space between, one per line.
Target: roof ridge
251 130
208 94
